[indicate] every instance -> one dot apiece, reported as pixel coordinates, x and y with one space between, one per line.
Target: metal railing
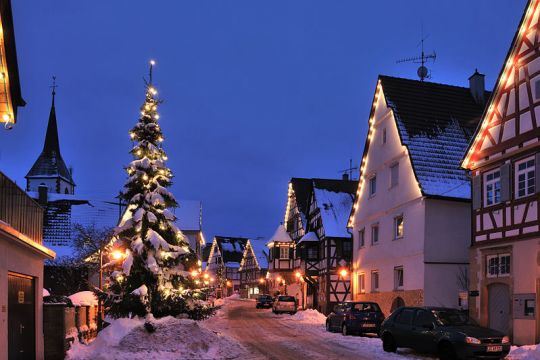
20 211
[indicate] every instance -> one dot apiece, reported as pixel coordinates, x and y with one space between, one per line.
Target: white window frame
362 283
362 238
373 227
397 271
530 168
394 181
375 274
396 227
372 185
498 265
281 252
492 183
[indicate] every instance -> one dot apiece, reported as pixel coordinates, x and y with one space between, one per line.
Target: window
375 280
398 278
361 238
394 174
384 136
283 252
312 252
373 185
525 178
374 234
492 187
347 248
529 306
405 317
498 265
398 227
362 283
423 318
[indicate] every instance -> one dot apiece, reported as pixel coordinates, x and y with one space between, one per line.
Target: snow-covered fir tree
158 275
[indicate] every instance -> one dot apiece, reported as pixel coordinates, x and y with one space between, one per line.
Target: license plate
494 348
368 325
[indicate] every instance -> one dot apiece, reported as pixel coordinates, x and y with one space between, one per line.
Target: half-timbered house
504 160
253 269
411 215
224 262
281 263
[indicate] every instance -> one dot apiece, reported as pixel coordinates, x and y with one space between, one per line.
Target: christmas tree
157 276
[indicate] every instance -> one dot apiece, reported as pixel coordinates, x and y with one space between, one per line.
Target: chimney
42 194
477 87
345 176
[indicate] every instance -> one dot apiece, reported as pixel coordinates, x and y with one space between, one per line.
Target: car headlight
471 340
505 340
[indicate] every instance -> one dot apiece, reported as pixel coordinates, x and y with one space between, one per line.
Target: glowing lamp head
194 273
298 274
117 254
152 62
206 276
261 281
278 279
343 272
212 279
229 284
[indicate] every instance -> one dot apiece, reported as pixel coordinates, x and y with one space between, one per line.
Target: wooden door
21 317
499 307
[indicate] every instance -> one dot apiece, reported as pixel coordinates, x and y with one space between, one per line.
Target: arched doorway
397 303
499 307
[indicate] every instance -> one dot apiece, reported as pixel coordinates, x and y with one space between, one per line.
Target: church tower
50 169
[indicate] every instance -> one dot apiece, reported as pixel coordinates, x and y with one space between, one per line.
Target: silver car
284 304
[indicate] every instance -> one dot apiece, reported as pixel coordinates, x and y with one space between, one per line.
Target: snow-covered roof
310 236
232 264
84 298
435 123
281 235
335 208
260 250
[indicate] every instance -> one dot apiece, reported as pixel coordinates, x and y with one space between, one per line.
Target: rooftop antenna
422 72
350 170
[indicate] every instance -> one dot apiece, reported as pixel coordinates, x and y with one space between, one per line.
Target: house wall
446 251
23 260
55 185
524 278
388 202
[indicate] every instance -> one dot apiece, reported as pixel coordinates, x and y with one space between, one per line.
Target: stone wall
386 299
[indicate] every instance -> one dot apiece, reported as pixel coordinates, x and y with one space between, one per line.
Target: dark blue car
355 317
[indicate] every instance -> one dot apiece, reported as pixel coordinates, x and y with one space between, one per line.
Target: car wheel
328 328
446 352
388 343
344 330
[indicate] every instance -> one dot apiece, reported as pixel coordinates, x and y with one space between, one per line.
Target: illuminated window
525 177
398 227
492 187
283 252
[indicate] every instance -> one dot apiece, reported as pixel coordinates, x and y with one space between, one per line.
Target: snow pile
84 298
309 316
173 339
527 352
46 293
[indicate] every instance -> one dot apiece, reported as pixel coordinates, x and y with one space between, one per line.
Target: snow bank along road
283 337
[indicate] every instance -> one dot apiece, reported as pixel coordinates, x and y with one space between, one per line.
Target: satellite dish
422 72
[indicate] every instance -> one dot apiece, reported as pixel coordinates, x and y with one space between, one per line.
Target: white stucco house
411 216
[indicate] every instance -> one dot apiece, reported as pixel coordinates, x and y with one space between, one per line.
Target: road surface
269 336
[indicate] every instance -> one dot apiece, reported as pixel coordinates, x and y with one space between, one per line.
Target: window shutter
291 253
505 182
477 192
537 171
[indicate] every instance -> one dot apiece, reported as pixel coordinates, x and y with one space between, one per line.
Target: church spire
52 144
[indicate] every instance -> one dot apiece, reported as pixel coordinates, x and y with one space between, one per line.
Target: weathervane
53 86
422 72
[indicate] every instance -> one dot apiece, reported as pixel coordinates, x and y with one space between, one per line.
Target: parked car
264 301
355 317
284 304
450 333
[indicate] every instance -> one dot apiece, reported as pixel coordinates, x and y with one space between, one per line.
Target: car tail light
471 340
505 340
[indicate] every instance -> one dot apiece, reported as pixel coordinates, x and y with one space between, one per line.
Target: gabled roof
302 190
258 250
231 248
50 162
435 123
280 235
528 21
309 237
334 199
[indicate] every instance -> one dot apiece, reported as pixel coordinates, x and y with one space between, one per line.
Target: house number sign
21 297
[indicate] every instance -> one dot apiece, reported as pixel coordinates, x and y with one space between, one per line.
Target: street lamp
343 272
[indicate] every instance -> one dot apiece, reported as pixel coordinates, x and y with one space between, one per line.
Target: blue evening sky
255 91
